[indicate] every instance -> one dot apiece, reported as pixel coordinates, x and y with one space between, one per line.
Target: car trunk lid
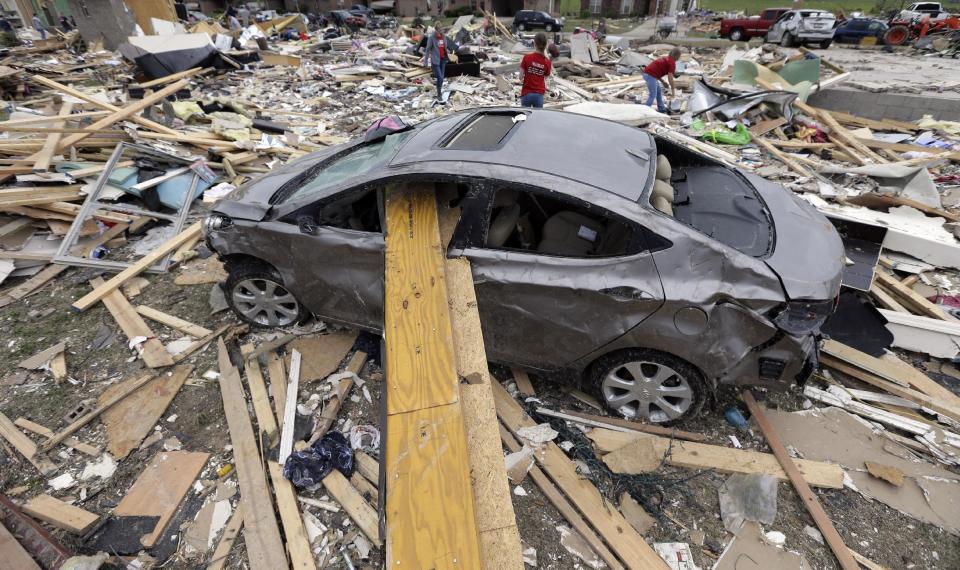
820 22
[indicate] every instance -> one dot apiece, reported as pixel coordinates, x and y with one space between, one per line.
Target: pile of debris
110 159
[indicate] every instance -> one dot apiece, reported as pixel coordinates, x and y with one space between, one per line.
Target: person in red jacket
654 73
534 69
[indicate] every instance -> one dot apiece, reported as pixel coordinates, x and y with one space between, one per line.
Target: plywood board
321 355
160 489
131 420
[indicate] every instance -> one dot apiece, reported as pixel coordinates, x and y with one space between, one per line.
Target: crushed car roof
601 153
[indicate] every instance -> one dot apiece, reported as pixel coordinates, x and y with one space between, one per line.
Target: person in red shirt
654 73
534 69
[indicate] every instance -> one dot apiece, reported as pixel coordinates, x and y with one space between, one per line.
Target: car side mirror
306 225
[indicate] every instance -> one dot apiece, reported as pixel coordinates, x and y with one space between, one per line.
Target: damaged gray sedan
653 271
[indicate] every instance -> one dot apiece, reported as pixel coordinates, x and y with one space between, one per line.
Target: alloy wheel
647 390
265 302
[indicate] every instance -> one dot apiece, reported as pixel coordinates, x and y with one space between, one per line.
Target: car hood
808 256
252 200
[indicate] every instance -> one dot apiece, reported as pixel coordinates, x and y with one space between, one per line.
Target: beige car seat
571 234
662 195
507 213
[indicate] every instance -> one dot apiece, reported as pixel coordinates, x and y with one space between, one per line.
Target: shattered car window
356 161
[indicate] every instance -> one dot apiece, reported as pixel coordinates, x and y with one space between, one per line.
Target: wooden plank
278 383
153 352
160 489
129 388
173 322
367 466
885 299
640 453
496 522
523 382
911 299
262 537
614 423
430 510
903 147
168 78
131 420
60 514
158 180
290 409
945 407
25 446
816 511
261 399
45 156
907 375
881 201
359 511
137 268
764 127
219 558
70 442
623 540
42 358
301 557
91 170
567 510
12 554
782 157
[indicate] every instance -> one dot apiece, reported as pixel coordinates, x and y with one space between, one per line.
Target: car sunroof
485 131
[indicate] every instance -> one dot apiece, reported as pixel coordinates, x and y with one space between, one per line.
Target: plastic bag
308 467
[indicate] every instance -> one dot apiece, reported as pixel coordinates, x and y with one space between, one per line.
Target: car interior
355 211
529 221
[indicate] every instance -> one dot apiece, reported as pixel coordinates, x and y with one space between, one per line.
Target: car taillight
804 317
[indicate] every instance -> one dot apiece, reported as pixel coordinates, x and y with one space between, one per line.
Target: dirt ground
681 500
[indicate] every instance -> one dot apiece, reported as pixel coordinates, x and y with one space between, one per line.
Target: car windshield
354 162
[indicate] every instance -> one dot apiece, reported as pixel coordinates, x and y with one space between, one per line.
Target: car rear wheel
522 27
649 385
257 294
548 27
825 44
787 40
736 35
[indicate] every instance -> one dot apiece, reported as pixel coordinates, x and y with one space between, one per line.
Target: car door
775 33
332 252
542 307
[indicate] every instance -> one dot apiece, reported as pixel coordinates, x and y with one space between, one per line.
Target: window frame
293 217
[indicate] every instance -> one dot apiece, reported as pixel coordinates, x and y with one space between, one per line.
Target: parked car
361 10
533 19
653 272
855 29
799 27
742 29
345 18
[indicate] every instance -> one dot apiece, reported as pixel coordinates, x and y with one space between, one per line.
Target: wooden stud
24 445
60 514
523 382
262 537
172 77
70 442
359 511
137 268
154 354
816 511
911 299
261 399
290 408
278 384
301 557
45 156
176 323
622 424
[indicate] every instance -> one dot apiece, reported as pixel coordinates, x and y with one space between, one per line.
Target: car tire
548 27
787 40
669 389
825 44
521 27
736 35
256 293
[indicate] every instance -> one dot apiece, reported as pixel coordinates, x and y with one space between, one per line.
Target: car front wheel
825 44
787 40
548 27
649 385
521 27
736 35
257 294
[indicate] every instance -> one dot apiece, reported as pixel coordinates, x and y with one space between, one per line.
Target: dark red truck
742 29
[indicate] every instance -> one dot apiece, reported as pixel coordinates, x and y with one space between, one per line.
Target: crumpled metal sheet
731 105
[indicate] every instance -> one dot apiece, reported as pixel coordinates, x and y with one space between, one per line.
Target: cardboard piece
749 550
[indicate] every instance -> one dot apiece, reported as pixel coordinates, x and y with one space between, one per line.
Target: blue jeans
656 92
532 100
438 71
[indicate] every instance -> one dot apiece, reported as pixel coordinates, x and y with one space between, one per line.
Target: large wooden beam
45 156
430 513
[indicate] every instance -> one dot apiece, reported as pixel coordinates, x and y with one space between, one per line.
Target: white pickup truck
919 9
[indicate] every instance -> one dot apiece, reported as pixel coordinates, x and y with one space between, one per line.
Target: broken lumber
219 558
522 380
332 408
60 514
911 299
782 157
618 424
153 352
301 557
70 442
636 452
799 482
176 323
261 398
137 268
567 510
430 513
25 446
15 556
632 550
129 388
262 536
168 78
160 489
290 409
45 156
362 514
